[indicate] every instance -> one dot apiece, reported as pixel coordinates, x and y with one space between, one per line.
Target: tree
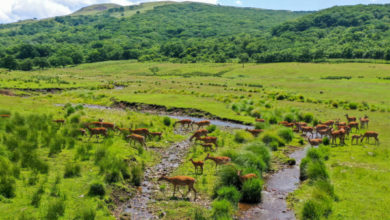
77 57
41 62
154 70
243 58
10 62
26 65
27 51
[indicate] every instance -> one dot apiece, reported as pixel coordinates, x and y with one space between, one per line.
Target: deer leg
174 190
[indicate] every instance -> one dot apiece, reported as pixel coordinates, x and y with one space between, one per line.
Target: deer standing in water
370 134
254 132
218 160
315 142
353 125
201 124
180 181
97 132
199 133
356 137
183 123
350 119
136 138
364 122
246 177
197 164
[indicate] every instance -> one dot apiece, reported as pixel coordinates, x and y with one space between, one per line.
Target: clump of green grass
72 170
286 134
229 193
222 209
96 189
55 209
251 191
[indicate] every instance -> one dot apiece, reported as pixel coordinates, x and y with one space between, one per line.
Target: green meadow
314 92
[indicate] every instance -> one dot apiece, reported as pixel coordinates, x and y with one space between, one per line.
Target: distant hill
195 32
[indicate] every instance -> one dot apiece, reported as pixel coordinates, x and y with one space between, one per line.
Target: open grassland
275 92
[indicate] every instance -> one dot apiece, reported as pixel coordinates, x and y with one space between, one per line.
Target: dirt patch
6 92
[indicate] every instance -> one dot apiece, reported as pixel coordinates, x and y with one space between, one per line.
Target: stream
274 194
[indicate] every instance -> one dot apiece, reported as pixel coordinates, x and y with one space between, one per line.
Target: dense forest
194 32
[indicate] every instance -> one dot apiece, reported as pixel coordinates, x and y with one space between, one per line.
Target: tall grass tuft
251 191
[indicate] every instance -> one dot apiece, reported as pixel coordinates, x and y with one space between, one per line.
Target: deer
197 164
96 123
307 130
283 122
59 121
347 130
218 160
136 138
364 122
260 120
180 181
350 119
338 134
199 133
324 132
246 177
122 130
289 125
370 134
254 132
108 125
141 131
156 134
321 127
300 125
210 140
207 146
5 116
356 137
354 125
97 132
201 124
339 124
329 123
315 142
183 123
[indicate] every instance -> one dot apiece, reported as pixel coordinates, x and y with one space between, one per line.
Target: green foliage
136 175
286 133
326 141
87 213
251 191
167 121
211 128
222 210
242 136
96 189
72 170
228 176
229 193
56 209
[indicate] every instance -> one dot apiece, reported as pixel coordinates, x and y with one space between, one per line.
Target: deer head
208 157
163 177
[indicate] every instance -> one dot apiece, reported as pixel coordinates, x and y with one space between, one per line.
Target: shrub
211 128
36 198
228 176
229 193
72 170
353 106
222 209
286 133
260 150
250 160
290 117
317 170
273 120
311 210
87 213
137 175
307 117
56 209
325 141
291 161
268 137
75 119
7 186
274 145
167 121
96 189
242 136
251 191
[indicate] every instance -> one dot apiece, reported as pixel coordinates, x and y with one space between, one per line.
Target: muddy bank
173 111
275 192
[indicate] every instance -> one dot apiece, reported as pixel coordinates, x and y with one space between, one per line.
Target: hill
195 32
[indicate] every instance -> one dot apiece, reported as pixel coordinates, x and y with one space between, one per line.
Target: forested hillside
194 32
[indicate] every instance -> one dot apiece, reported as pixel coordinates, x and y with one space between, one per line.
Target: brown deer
339 124
364 122
356 137
141 131
260 120
329 123
254 132
300 125
289 125
96 123
59 121
201 124
283 123
350 119
338 134
347 130
246 177
136 138
321 127
307 129
207 146
180 181
218 160
315 142
353 125
370 134
123 130
197 164
324 132
108 125
210 140
97 132
156 134
199 133
183 123
5 116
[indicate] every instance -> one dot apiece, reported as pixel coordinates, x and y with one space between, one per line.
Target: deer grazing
254 132
97 132
353 125
136 138
59 121
210 140
260 120
364 122
199 133
315 142
201 124
108 125
5 116
307 129
338 134
156 134
183 123
197 165
246 177
350 119
122 130
96 123
218 160
207 146
370 134
356 137
180 181
140 131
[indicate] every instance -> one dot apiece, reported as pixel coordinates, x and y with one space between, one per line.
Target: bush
36 198
229 193
96 189
353 106
167 121
7 186
307 117
222 209
251 191
242 136
260 150
289 117
286 133
250 160
211 128
268 137
311 210
325 141
317 170
72 170
228 176
87 213
56 209
273 120
137 175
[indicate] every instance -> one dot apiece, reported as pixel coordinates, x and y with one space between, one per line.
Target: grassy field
359 173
